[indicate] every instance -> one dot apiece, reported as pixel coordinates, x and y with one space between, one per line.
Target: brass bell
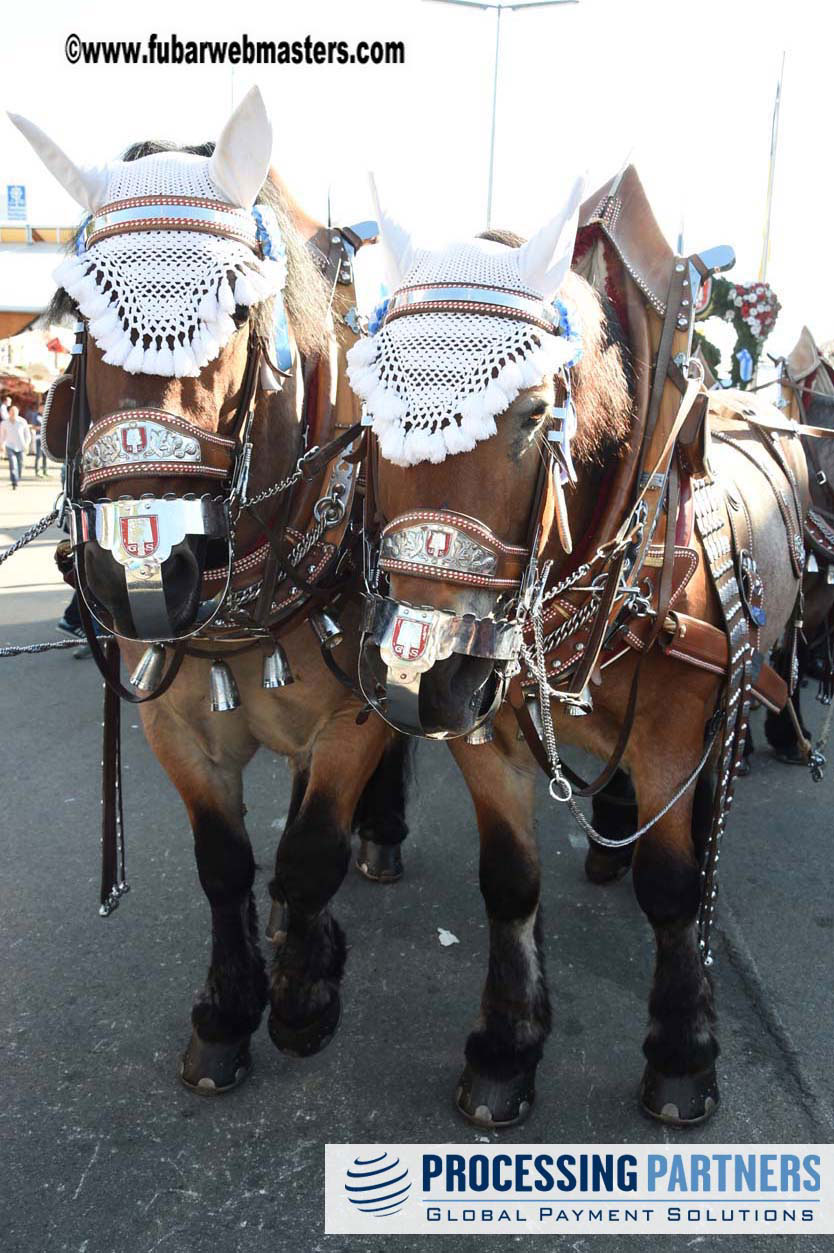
484 734
326 629
277 672
148 674
224 693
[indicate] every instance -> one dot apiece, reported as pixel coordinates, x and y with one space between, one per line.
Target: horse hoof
607 865
495 1103
312 1037
276 927
381 863
212 1069
681 1100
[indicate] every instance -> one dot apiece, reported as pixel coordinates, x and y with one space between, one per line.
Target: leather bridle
443 545
139 534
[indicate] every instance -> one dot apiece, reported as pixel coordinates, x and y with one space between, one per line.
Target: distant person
5 405
35 420
15 439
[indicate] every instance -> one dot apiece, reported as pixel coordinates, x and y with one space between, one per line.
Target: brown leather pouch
705 646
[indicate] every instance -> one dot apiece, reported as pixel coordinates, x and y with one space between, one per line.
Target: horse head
188 279
468 384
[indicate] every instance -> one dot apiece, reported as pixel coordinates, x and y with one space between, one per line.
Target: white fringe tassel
478 411
213 329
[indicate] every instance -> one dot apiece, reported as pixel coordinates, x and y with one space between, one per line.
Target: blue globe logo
377 1185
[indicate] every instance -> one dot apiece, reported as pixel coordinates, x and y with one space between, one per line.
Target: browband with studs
172 213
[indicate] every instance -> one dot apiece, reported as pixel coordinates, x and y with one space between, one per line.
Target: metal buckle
304 462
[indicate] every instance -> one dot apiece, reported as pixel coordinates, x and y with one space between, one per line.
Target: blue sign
16 202
745 365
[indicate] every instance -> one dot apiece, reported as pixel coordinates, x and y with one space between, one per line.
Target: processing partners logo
377 1184
579 1189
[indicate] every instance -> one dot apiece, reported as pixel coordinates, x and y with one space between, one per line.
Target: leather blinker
57 411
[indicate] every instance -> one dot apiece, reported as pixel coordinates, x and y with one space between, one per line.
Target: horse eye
533 416
240 315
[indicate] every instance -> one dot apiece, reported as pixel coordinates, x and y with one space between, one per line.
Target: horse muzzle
407 642
148 540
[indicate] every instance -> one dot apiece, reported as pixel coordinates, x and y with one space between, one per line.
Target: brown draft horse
807 384
494 484
312 722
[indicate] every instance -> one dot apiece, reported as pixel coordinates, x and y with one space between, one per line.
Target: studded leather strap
151 443
451 547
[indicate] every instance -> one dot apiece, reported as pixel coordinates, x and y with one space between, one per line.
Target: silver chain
27 536
18 650
277 488
238 600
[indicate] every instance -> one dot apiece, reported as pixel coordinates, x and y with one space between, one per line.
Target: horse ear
545 259
240 162
86 184
397 246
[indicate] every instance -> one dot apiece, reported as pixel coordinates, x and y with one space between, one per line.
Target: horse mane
602 379
305 295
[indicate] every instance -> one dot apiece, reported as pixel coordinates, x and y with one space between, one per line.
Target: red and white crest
704 298
140 536
134 439
409 639
438 543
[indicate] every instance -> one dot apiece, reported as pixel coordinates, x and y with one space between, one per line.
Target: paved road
103 1150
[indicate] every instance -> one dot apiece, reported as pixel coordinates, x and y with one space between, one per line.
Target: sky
684 90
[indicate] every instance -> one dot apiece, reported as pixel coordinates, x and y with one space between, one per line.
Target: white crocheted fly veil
160 301
466 330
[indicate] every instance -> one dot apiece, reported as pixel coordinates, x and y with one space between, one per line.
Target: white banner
547 1189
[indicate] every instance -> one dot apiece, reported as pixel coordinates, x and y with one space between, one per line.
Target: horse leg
679 1084
229 1008
504 1048
276 927
615 817
379 820
310 864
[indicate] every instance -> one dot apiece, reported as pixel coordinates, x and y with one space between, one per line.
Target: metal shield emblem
134 439
409 639
438 543
140 536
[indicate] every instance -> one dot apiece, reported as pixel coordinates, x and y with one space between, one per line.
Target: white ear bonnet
465 331
174 242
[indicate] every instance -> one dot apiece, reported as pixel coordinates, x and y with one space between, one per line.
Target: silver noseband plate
140 536
411 639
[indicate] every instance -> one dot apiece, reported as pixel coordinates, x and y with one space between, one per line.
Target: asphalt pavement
104 1152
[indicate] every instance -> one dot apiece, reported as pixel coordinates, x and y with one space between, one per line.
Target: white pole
501 4
494 104
774 141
